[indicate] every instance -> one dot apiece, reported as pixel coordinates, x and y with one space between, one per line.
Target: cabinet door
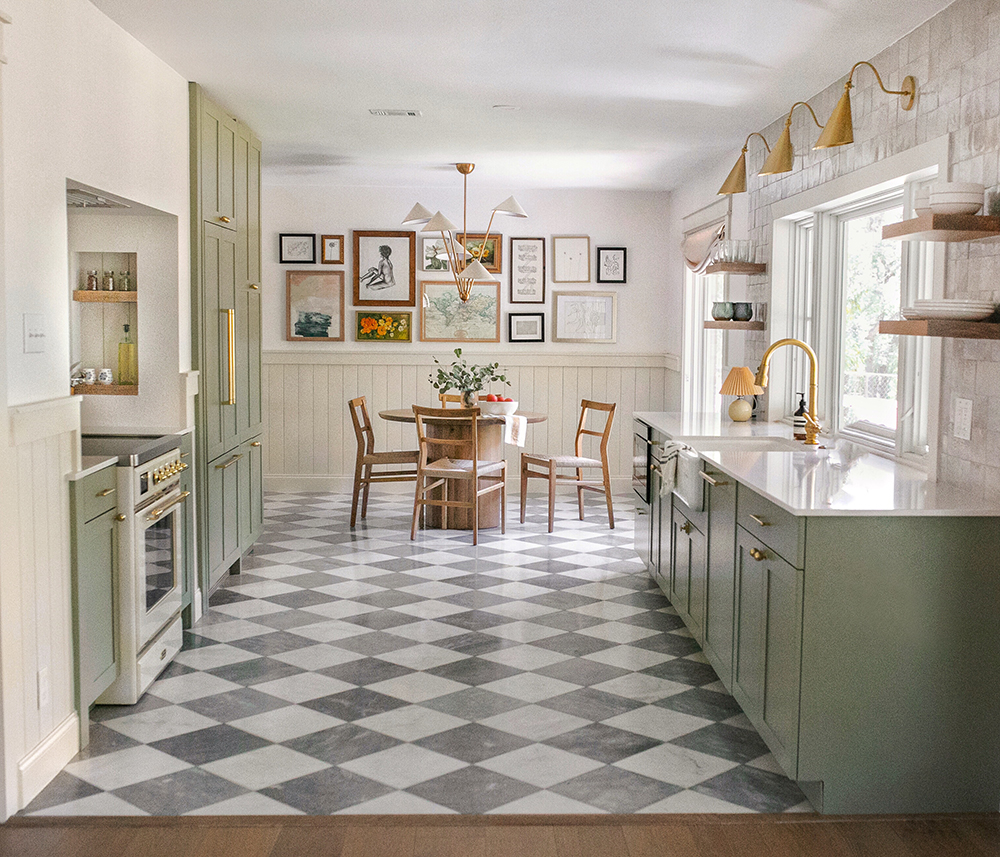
218 186
720 587
768 646
223 515
687 573
251 503
94 591
219 386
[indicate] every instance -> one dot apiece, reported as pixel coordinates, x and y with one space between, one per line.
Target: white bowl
958 187
942 207
497 409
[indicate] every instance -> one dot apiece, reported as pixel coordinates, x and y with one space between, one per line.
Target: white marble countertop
842 479
91 464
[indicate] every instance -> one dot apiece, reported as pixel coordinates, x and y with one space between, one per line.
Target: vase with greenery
468 379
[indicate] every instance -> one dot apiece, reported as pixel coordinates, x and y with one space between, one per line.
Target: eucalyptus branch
464 377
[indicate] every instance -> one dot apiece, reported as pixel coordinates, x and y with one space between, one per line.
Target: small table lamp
740 382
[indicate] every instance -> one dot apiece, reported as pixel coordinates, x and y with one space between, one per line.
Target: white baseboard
40 766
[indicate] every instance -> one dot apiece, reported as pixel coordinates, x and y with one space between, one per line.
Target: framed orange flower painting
383 326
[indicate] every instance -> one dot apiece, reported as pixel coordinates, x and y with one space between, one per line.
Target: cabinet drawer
160 652
98 493
780 530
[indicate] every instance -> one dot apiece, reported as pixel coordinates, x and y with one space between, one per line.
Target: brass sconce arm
909 84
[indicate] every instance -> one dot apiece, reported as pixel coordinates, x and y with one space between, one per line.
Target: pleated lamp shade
740 382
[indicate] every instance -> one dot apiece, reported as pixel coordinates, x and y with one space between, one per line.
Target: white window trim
920 162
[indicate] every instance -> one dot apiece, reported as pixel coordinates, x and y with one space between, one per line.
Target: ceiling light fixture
736 181
780 159
454 250
839 130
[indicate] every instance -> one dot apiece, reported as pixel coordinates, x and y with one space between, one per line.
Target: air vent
76 198
375 112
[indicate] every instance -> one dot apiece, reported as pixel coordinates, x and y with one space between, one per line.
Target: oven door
641 461
159 561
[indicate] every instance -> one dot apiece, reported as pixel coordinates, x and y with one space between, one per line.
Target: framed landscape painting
491 254
383 326
527 270
314 306
385 272
444 318
584 316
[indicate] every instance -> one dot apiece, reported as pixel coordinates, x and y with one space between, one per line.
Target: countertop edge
92 464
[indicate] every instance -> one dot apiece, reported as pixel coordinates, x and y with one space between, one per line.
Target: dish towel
668 467
513 432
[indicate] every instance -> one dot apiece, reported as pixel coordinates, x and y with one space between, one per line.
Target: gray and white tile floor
357 671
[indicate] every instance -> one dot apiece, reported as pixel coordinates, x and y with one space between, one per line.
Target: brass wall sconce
839 130
780 159
736 181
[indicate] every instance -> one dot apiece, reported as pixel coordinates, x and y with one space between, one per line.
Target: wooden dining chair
368 458
450 399
449 453
547 466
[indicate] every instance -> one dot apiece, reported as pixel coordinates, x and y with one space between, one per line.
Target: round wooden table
490 449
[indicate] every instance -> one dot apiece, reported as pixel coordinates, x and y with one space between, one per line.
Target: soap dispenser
799 419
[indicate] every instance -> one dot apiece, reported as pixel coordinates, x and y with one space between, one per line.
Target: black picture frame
297 248
522 318
612 264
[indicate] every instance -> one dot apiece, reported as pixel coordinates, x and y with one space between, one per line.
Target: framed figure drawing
296 248
444 318
385 272
570 259
314 306
526 327
527 270
611 264
584 316
332 249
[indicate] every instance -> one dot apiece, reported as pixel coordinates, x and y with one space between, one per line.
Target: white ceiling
632 94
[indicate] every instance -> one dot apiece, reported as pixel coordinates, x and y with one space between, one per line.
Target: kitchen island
851 607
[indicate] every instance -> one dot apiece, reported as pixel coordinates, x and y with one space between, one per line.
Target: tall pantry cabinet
226 336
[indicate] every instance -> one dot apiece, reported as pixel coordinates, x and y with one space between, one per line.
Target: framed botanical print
445 318
527 270
332 249
385 271
314 306
584 316
431 252
611 264
491 253
526 327
570 258
383 326
296 248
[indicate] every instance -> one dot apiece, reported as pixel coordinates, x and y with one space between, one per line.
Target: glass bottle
92 281
124 282
128 367
109 281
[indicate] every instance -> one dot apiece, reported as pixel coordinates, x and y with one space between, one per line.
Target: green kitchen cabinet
93 513
251 508
720 584
687 570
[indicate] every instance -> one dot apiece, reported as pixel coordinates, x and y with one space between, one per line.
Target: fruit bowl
497 409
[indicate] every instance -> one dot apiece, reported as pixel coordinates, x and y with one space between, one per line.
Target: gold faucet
812 424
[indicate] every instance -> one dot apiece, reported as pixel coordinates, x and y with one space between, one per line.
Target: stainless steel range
150 557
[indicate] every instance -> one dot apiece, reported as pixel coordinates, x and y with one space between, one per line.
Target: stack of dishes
956 197
953 309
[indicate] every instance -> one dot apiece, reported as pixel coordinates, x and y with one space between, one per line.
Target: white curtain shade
697 246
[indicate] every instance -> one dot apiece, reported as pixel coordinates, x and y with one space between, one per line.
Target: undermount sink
749 444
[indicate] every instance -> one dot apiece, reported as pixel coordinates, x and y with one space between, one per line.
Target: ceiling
546 93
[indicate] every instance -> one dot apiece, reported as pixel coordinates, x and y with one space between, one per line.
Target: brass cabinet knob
119 518
225 219
686 527
255 287
757 554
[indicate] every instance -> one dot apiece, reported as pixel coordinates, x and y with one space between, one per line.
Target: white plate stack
953 309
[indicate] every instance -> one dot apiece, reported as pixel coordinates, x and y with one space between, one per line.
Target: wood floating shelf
735 325
103 297
942 327
105 389
736 268
944 227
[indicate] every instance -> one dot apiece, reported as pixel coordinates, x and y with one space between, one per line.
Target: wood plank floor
797 835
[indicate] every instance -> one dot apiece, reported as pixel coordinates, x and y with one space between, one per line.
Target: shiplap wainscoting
309 442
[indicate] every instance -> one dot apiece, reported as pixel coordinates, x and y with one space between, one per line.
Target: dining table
491 430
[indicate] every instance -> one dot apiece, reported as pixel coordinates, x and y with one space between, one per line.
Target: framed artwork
527 270
430 249
526 327
444 318
314 306
584 316
383 326
332 249
491 255
385 271
570 258
297 248
611 264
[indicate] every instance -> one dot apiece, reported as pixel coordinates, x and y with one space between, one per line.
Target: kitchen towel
513 432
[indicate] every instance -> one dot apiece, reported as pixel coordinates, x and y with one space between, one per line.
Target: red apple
507 399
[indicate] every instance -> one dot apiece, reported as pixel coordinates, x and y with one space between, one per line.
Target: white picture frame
570 258
585 317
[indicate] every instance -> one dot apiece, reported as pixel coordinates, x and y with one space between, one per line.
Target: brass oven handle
713 482
229 463
105 492
231 336
159 513
760 521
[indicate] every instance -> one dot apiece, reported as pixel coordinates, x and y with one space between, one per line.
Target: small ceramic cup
89 376
105 377
722 310
742 310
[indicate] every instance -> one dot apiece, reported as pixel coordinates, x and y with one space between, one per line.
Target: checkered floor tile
359 672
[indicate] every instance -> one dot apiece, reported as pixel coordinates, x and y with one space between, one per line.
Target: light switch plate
34 332
963 419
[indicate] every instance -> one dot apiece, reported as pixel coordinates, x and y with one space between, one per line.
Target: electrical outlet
34 333
963 419
44 689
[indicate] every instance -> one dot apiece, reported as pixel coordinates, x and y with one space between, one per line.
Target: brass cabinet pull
686 527
105 492
225 219
229 463
163 654
757 554
255 443
231 336
159 513
760 521
713 482
255 287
